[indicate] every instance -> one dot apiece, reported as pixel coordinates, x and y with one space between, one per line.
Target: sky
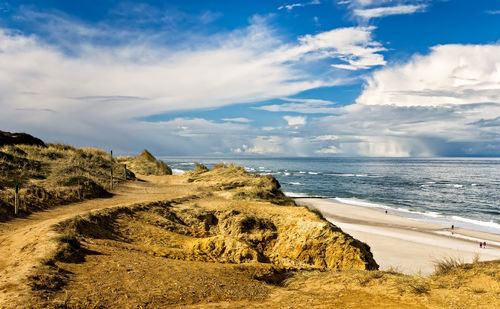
378 78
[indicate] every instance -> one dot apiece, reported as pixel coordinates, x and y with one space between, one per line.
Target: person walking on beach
484 244
480 244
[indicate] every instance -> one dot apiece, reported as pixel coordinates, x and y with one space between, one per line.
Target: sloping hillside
51 174
146 164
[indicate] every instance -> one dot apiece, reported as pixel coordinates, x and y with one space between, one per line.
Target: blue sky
255 78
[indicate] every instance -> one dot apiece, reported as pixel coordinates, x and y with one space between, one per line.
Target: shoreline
403 244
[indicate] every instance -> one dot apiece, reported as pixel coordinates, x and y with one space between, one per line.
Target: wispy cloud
493 12
238 119
291 6
388 11
364 10
303 106
100 91
353 47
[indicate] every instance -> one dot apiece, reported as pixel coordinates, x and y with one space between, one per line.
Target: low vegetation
146 164
51 174
236 182
464 285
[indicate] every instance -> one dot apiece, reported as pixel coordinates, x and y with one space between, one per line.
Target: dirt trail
26 243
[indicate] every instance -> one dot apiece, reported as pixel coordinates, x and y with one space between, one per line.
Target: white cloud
278 146
295 121
388 10
303 106
238 119
326 138
97 93
330 150
290 7
364 10
446 103
493 12
353 46
450 74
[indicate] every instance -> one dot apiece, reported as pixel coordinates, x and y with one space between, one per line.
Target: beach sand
406 245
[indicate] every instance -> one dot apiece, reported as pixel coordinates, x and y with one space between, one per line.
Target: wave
187 163
490 224
456 235
296 194
357 202
295 183
313 173
454 185
176 171
433 217
429 214
351 175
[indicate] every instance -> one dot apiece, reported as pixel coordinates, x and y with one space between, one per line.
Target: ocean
463 192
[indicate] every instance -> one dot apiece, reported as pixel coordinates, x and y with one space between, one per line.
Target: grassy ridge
146 164
241 185
53 174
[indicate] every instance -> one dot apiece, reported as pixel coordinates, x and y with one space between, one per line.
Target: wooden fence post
111 178
16 200
125 171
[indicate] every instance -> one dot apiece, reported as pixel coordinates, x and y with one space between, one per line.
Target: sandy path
407 245
24 243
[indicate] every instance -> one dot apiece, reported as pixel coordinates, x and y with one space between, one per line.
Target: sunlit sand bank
403 244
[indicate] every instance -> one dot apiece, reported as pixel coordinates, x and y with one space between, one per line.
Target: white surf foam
357 202
456 235
176 171
431 217
477 222
296 194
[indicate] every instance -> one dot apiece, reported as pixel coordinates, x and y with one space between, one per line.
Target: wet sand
403 244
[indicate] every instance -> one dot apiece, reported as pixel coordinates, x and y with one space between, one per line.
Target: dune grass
240 184
52 175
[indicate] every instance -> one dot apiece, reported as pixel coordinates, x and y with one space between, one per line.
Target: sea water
463 192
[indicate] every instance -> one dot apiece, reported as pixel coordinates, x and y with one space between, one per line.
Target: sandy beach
403 244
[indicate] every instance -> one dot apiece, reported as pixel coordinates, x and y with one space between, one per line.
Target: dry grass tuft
446 265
